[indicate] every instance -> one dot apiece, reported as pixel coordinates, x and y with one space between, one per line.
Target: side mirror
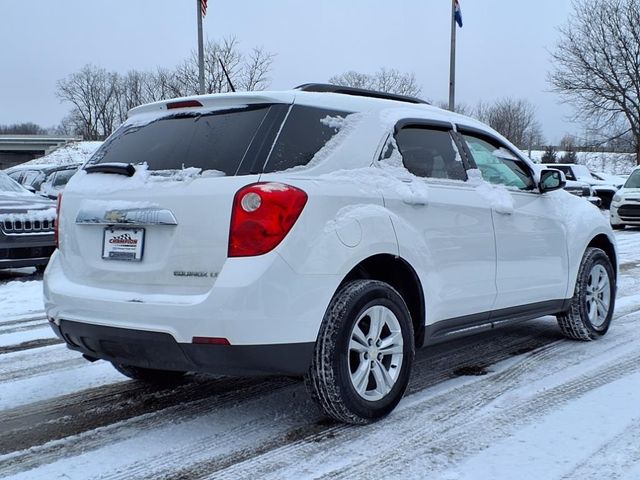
551 179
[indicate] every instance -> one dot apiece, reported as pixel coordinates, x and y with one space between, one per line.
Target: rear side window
305 131
430 153
210 141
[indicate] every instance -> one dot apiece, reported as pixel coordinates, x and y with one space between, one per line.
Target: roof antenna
227 75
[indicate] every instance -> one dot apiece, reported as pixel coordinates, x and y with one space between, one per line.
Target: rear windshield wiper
117 168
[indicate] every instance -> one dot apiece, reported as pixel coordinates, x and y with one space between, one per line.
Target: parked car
605 190
46 179
583 190
324 232
625 207
27 223
615 180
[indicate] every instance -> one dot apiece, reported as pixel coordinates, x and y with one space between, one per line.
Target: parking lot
489 396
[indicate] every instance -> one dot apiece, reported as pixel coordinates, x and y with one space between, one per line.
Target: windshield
211 141
634 180
7 184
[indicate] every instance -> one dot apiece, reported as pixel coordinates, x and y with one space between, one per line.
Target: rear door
443 224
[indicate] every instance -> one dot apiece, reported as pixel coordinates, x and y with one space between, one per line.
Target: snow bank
77 152
606 162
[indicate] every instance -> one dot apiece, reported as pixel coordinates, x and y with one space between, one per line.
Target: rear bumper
160 351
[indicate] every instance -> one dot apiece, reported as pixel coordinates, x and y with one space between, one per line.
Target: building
17 149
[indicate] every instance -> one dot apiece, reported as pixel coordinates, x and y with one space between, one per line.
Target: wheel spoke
392 344
377 323
357 346
602 308
360 377
357 337
384 382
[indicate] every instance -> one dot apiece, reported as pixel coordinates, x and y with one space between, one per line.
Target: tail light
262 215
56 227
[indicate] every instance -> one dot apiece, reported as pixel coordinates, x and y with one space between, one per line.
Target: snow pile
498 196
103 183
606 162
73 153
30 216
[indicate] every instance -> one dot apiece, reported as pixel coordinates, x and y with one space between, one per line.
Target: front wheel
591 309
363 355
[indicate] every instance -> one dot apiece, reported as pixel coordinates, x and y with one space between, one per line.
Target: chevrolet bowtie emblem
115 216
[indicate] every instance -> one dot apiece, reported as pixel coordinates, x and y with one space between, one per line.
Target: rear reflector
210 341
184 104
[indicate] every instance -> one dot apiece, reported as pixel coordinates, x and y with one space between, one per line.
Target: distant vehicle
326 232
27 223
583 190
625 206
604 189
617 180
46 179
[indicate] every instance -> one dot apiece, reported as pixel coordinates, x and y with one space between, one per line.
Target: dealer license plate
123 244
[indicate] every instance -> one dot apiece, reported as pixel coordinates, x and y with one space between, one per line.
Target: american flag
203 7
457 14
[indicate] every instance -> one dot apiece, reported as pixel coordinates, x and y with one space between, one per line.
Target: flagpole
452 60
200 49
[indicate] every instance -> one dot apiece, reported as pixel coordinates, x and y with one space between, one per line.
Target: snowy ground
545 408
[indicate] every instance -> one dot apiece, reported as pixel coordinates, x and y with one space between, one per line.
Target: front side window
498 164
568 173
428 153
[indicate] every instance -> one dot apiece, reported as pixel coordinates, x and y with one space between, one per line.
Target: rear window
305 132
210 141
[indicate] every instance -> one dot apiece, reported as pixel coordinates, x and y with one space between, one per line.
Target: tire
619 226
340 361
41 268
581 321
149 375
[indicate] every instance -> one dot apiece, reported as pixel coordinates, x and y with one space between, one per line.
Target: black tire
618 227
575 322
329 377
149 375
40 268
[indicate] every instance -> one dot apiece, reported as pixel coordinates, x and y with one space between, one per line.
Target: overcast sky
502 48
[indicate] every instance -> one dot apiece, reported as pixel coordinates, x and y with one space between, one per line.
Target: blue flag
457 13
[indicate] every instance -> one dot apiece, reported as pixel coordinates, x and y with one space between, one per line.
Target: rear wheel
363 355
150 375
589 314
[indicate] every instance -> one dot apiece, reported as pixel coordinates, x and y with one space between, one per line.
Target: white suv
319 232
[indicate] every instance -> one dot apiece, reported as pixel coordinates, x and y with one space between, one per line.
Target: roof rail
359 92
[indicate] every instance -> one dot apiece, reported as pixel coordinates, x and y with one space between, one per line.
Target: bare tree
597 66
93 93
513 118
28 128
461 108
387 80
102 99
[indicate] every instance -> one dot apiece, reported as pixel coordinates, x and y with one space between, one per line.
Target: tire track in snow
446 422
434 365
30 344
612 460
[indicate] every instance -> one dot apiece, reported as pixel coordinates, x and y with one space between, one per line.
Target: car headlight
616 198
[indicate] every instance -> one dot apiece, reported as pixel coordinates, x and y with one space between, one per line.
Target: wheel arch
398 273
603 242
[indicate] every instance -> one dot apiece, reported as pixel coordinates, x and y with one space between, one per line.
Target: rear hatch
164 230
167 225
